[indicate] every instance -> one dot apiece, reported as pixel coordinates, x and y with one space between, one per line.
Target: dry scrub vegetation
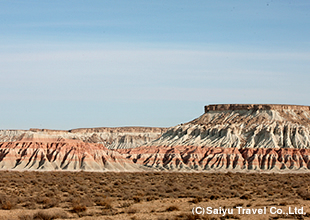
151 195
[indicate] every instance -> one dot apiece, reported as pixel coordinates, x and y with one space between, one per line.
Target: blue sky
70 64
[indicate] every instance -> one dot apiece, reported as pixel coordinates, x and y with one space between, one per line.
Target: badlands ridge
236 137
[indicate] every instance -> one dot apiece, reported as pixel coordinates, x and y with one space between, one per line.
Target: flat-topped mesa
243 126
233 107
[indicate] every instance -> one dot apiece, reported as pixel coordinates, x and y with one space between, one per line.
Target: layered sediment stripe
74 155
210 158
68 155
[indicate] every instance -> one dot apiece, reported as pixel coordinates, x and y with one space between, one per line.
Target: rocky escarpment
112 138
193 158
243 126
233 137
47 155
70 155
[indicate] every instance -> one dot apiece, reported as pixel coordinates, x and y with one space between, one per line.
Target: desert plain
149 195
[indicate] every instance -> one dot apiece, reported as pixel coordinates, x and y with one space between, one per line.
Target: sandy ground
159 209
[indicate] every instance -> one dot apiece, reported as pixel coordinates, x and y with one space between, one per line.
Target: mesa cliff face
242 138
194 158
243 126
70 155
234 137
77 149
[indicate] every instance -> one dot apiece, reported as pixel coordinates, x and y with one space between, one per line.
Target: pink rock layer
61 155
209 158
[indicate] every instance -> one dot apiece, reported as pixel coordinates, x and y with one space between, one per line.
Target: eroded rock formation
70 155
194 158
112 138
243 126
240 138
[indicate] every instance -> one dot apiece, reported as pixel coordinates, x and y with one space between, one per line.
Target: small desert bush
25 217
305 195
151 198
42 216
125 204
106 203
48 215
49 203
246 196
285 203
42 199
196 200
30 205
214 196
137 199
77 206
131 210
172 208
5 202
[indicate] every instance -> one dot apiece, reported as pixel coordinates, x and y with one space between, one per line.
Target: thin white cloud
152 74
134 55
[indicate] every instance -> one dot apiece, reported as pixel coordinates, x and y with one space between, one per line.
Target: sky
73 64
